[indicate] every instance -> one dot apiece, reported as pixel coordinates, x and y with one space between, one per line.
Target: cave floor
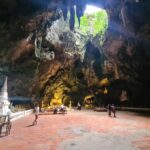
80 130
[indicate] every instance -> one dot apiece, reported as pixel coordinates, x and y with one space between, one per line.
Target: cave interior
56 51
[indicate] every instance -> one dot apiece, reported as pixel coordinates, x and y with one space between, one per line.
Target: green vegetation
95 23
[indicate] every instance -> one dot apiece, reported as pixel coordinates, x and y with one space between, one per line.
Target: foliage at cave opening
93 24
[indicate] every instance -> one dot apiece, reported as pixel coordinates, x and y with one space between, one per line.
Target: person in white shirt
36 112
78 106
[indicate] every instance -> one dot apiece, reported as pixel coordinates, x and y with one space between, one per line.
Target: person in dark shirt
109 110
113 110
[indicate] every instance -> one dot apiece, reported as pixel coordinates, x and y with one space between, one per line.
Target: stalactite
71 5
123 17
64 7
116 72
72 17
79 9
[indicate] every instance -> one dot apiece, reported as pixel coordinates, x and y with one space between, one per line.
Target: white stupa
4 102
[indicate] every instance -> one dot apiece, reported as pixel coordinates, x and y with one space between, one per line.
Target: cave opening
93 21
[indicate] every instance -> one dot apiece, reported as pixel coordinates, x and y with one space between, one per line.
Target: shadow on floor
30 125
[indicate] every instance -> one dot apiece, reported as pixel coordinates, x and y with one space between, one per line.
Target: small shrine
104 83
89 101
4 102
57 100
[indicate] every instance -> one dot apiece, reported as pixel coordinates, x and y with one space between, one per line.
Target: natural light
91 9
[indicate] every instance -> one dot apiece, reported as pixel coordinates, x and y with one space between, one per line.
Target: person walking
113 110
78 106
36 112
109 110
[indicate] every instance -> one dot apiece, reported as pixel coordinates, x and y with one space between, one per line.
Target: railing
133 109
18 115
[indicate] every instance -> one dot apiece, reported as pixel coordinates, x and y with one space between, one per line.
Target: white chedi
4 102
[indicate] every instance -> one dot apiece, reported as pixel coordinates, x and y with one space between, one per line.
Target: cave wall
126 46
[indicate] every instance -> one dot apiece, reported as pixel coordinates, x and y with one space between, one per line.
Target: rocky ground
80 130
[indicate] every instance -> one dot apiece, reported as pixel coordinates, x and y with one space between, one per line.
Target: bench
5 125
